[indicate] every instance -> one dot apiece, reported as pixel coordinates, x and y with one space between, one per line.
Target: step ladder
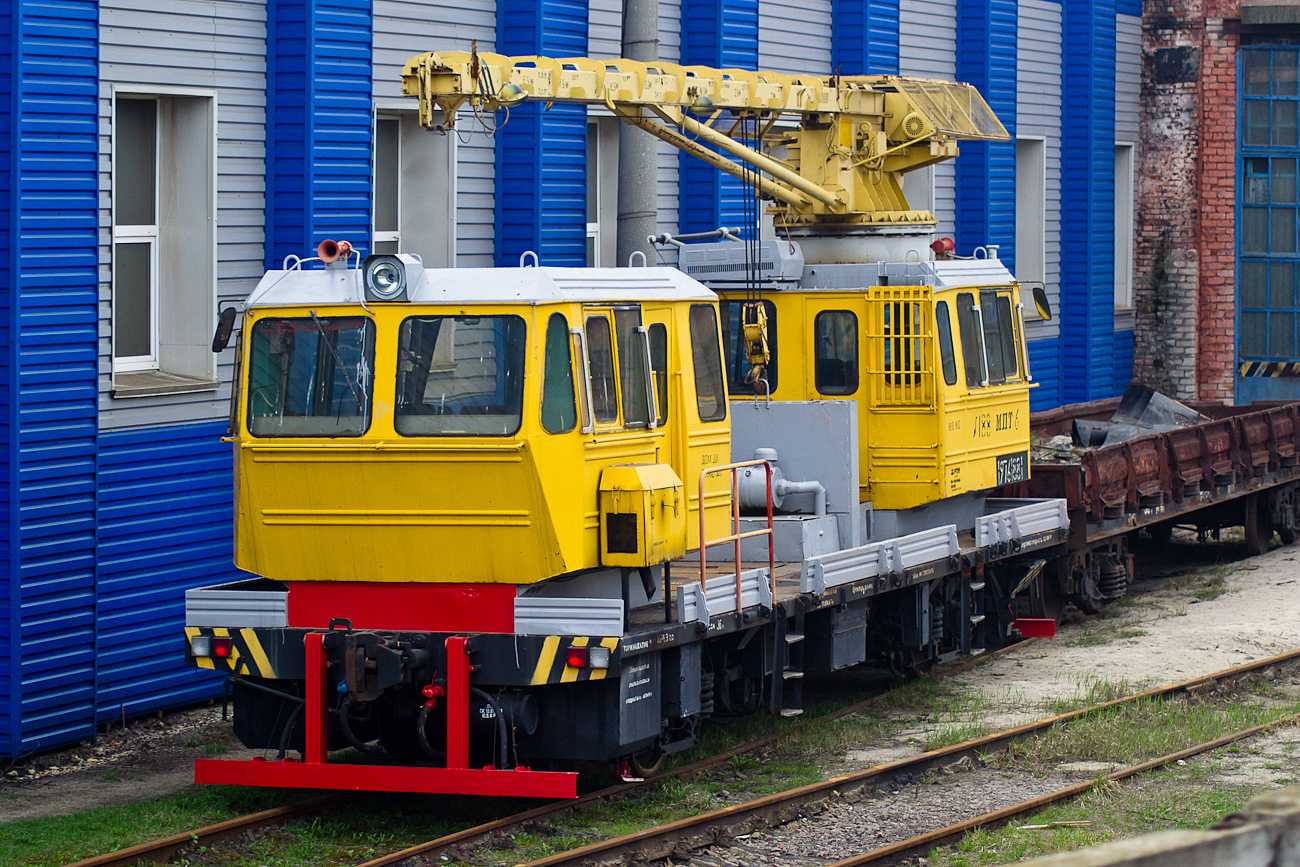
787 661
972 608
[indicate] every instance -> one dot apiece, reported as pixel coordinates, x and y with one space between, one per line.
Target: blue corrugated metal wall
52 299
541 156
986 171
165 526
8 358
1045 368
719 33
1088 200
319 125
864 36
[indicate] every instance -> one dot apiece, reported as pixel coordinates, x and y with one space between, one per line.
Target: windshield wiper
358 396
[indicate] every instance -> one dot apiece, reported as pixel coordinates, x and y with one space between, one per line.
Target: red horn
328 251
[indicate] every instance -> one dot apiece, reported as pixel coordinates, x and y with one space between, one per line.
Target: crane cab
933 354
461 430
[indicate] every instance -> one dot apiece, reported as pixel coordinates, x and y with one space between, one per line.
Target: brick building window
1270 204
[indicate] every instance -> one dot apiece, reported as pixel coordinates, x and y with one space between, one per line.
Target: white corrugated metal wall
1038 113
211 46
405 28
928 49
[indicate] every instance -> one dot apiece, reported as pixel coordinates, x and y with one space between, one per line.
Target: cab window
460 376
836 353
659 368
559 413
947 358
311 377
741 378
600 356
706 359
631 367
999 336
972 340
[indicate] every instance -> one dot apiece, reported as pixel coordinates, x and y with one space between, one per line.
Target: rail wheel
909 662
1161 534
647 762
1259 530
1046 600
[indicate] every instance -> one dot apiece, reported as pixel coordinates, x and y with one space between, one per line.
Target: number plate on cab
1012 468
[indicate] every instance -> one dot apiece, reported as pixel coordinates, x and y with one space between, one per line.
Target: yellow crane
829 153
846 140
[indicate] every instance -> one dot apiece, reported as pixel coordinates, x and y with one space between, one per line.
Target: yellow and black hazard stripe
551 667
248 655
1285 369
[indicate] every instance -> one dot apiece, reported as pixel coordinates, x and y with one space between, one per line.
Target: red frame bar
1035 627
457 702
317 772
736 535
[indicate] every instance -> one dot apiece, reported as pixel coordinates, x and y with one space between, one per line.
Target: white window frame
1031 212
376 235
426 188
136 234
1125 164
602 154
181 324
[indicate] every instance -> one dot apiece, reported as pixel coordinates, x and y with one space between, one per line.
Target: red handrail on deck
736 535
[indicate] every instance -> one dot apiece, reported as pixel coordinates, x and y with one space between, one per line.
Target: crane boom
847 140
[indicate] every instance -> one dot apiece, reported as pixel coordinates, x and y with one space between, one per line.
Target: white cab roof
339 285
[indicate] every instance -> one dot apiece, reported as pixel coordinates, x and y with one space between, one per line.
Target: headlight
392 277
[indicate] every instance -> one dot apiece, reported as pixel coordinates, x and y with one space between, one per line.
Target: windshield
460 375
310 377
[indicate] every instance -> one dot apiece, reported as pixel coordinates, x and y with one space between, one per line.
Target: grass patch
1140 730
1211 586
62 839
1089 692
1162 801
364 826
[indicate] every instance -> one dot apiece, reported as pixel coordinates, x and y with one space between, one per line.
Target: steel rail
774 809
929 839
163 848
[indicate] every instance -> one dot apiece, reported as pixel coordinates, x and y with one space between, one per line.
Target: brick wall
1185 246
1216 356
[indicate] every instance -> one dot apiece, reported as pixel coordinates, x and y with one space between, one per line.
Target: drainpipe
637 149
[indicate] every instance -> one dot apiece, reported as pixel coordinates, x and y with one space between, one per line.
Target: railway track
739 819
165 847
731 821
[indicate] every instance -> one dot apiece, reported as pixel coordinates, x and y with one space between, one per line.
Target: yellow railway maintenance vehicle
485 505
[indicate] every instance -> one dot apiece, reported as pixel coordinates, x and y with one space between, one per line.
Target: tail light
222 647
587 657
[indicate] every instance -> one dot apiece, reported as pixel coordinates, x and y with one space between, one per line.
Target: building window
1031 210
602 191
1270 202
163 259
1123 226
388 204
918 189
414 208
